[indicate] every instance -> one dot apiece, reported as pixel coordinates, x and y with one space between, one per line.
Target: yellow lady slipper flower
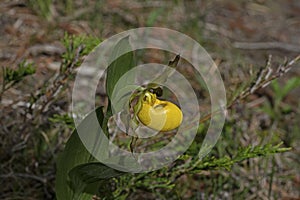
158 114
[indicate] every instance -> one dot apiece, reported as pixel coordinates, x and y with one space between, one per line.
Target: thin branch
31 176
264 77
267 45
61 79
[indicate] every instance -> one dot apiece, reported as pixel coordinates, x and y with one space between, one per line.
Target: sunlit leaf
120 65
82 176
75 154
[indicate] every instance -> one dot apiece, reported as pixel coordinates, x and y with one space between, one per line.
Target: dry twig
263 78
267 45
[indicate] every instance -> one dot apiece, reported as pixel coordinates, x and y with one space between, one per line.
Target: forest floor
239 36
